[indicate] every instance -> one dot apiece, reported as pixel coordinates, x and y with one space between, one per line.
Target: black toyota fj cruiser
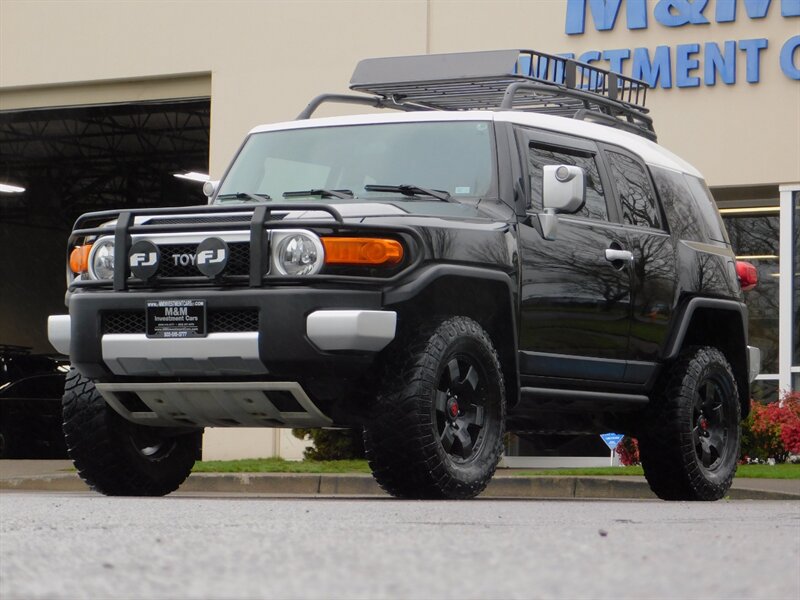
510 251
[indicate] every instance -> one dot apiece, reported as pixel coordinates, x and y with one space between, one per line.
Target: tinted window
683 215
708 208
539 156
639 204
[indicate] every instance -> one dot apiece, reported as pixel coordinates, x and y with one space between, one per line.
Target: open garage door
73 160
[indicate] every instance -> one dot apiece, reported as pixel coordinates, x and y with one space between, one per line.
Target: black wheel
436 428
117 457
690 446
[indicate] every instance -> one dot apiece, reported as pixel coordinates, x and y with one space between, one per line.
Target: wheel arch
484 295
719 323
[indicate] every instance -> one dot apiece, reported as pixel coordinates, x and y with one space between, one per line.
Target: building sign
693 64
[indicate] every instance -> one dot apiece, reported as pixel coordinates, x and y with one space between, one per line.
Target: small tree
332 444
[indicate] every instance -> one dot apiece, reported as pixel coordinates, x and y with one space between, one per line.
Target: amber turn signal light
79 259
362 251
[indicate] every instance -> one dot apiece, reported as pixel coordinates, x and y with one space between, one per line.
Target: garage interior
79 159
70 161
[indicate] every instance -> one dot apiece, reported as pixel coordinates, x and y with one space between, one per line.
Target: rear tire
436 427
117 457
690 446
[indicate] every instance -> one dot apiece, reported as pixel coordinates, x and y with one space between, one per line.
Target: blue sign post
612 440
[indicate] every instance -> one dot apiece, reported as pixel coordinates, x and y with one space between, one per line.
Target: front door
575 303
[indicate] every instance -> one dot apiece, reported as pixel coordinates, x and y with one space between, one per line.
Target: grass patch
595 471
279 465
782 471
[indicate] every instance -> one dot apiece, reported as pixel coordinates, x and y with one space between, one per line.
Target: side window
639 203
683 216
539 156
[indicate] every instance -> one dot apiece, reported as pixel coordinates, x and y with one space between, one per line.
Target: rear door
575 304
653 276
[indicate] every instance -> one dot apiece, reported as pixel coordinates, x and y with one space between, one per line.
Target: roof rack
499 80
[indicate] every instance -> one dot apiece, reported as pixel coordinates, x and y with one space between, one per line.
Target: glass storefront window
764 390
796 280
755 239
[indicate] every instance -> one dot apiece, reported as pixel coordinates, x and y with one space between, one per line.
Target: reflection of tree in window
684 218
635 192
538 157
751 236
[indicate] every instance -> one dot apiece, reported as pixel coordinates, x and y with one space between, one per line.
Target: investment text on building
692 64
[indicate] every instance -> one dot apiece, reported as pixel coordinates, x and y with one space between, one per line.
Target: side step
558 400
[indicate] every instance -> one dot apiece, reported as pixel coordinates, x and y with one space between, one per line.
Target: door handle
614 255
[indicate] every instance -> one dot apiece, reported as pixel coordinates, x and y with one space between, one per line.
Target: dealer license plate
176 318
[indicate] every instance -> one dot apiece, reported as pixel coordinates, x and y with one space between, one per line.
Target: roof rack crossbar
374 101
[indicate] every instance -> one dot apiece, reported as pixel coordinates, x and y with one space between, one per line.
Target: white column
786 283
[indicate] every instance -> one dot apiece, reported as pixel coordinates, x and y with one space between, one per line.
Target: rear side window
683 215
539 156
708 208
636 195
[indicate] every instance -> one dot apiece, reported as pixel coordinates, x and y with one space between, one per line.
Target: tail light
748 275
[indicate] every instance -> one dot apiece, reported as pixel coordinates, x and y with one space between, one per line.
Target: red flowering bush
772 430
628 451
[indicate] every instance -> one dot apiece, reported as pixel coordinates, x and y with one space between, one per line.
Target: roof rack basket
499 80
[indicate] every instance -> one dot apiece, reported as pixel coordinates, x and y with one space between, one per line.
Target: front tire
436 428
117 457
690 446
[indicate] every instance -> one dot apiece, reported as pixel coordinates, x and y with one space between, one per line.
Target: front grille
238 261
231 321
124 322
218 321
186 220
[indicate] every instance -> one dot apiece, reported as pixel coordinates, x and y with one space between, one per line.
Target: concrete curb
356 484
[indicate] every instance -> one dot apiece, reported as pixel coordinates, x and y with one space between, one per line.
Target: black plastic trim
675 340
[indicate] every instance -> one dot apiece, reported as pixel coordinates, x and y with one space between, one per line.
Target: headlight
101 260
297 253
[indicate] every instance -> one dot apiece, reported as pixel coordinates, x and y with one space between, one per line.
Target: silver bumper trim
753 362
366 330
216 404
214 355
59 332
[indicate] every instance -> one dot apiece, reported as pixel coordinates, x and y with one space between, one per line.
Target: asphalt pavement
188 545
43 475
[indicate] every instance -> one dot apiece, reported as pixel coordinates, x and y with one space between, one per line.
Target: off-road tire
424 442
690 445
107 449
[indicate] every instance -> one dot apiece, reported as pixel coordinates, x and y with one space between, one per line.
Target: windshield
453 157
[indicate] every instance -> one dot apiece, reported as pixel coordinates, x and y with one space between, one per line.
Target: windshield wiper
321 192
245 196
410 190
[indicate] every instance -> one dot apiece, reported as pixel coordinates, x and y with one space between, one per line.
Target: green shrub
332 444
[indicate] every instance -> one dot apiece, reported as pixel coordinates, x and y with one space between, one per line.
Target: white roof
650 152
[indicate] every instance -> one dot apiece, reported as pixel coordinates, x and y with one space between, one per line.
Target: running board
558 400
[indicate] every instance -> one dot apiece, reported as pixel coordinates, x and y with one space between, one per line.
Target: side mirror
563 191
210 188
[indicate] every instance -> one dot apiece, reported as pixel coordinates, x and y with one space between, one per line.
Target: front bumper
297 328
